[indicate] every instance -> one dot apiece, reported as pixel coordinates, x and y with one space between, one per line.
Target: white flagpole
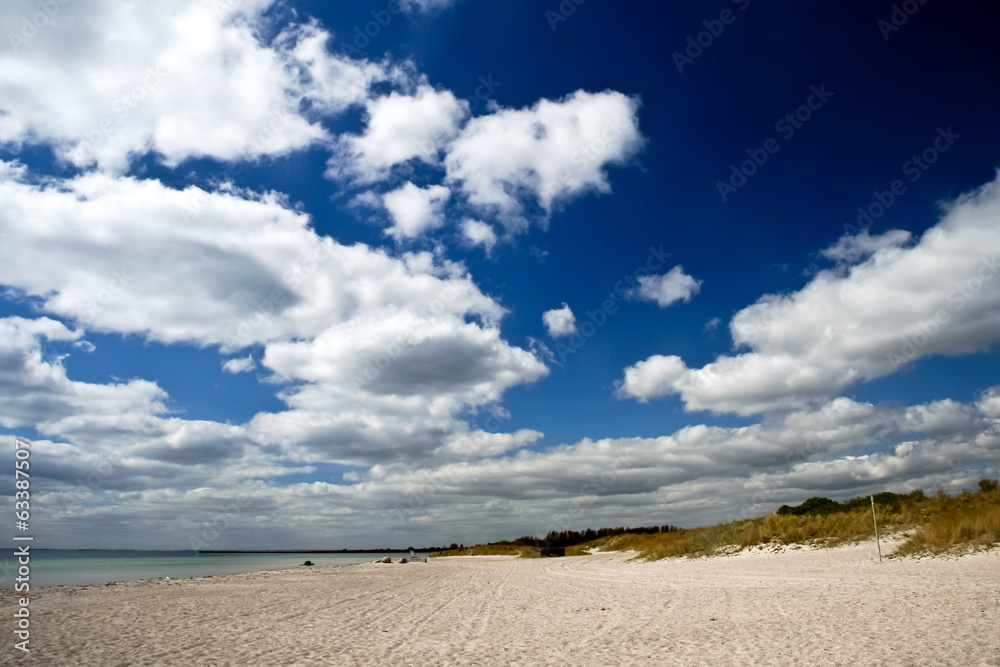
876 530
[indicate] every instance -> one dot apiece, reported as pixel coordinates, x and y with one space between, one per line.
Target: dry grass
827 530
492 550
579 550
970 523
943 524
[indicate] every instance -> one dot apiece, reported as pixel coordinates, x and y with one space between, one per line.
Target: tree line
570 538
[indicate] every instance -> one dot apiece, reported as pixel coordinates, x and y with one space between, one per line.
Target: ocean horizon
80 567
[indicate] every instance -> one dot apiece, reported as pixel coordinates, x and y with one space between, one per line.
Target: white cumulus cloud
415 210
105 81
560 321
939 296
671 287
653 377
240 364
385 353
552 151
477 232
853 247
399 127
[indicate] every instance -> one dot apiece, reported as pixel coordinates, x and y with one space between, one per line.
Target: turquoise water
57 567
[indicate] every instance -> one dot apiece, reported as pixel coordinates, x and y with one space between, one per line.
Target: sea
60 567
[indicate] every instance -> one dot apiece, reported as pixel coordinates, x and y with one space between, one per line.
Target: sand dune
799 607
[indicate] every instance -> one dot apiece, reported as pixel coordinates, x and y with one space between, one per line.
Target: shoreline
62 568
164 579
815 606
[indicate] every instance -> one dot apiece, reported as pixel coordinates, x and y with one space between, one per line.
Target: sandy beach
797 607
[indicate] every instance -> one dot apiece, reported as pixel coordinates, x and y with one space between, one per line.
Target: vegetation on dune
939 524
935 524
494 549
824 530
530 547
967 522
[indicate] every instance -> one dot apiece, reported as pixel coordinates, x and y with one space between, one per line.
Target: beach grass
937 524
769 530
970 522
932 525
496 549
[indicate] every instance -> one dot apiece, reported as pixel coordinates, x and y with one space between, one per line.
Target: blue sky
293 275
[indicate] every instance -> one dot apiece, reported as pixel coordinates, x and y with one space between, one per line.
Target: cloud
378 358
399 128
127 463
694 476
184 79
211 268
385 361
171 279
240 364
938 296
104 82
37 393
477 232
560 321
989 403
553 151
425 5
701 473
852 248
330 82
496 163
653 377
671 287
415 210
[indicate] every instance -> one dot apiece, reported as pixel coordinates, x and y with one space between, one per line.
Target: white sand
799 607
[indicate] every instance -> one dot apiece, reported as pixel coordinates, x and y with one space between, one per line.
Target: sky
309 275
